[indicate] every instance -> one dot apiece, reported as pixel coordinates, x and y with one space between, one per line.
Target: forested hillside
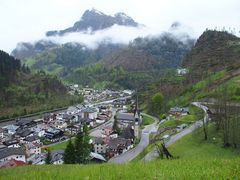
213 65
62 59
142 62
22 92
214 51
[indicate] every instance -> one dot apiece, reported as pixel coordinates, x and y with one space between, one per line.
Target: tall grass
160 169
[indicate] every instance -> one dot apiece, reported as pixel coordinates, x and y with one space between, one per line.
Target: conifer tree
48 159
86 145
79 147
82 146
69 153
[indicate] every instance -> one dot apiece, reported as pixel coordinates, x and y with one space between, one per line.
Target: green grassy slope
194 147
173 169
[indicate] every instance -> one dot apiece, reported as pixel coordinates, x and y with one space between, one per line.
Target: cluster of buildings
112 143
92 95
21 142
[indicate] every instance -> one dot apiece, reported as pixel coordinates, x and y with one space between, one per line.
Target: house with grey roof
31 139
57 156
11 129
38 159
12 153
23 132
179 111
12 143
89 113
118 146
97 157
25 123
124 119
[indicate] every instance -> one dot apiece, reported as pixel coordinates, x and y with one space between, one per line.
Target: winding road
131 154
154 154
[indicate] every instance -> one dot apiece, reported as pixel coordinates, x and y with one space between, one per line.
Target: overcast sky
28 20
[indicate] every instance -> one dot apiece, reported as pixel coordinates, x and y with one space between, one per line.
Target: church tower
138 120
137 112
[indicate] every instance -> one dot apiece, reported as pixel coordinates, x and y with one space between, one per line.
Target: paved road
131 154
153 154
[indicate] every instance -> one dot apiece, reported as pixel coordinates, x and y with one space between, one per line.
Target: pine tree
82 146
79 147
69 153
86 145
48 159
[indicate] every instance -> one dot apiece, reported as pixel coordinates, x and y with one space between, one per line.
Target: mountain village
25 140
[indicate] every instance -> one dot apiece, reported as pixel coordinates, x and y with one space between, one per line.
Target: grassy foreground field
161 169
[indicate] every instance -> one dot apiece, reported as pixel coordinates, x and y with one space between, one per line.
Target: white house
38 159
12 153
99 146
13 143
11 129
89 113
182 71
32 149
39 130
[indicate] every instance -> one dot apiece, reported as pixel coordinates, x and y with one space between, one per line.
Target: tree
79 147
48 159
86 145
156 103
82 146
69 153
162 150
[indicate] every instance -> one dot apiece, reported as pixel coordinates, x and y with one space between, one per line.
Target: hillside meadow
159 169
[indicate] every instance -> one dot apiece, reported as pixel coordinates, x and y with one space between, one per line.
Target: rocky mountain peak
96 20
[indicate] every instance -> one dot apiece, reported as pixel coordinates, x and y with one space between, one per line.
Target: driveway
131 154
153 154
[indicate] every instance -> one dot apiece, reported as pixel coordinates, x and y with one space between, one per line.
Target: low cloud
117 35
